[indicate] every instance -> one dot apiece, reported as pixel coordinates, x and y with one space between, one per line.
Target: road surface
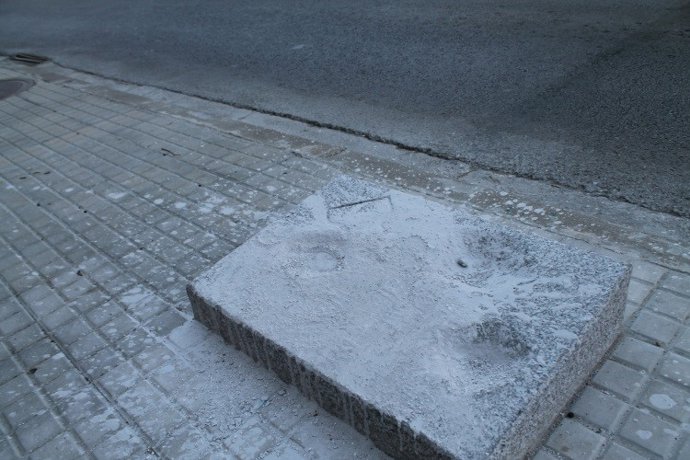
593 95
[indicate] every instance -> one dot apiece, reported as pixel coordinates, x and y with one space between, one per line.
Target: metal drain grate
14 86
27 58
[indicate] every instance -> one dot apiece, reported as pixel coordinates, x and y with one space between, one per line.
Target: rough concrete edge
588 355
394 437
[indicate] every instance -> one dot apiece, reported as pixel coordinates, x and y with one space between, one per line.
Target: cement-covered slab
435 332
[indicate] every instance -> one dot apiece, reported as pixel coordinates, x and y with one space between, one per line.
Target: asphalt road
589 94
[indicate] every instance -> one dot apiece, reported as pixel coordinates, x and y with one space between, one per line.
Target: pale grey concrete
153 370
430 330
588 94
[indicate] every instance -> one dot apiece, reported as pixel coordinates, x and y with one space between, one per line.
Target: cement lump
433 331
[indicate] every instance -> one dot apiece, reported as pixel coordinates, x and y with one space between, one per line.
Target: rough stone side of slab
394 437
570 374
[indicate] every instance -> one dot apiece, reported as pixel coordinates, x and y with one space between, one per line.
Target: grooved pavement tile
62 210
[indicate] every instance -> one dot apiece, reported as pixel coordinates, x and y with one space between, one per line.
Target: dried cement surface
427 328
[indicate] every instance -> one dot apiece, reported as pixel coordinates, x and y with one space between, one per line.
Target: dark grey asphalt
589 94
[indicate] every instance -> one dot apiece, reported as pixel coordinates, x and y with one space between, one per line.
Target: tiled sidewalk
108 209
106 213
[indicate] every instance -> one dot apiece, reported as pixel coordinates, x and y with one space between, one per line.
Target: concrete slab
435 332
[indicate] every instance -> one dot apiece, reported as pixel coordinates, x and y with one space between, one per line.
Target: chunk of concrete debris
433 331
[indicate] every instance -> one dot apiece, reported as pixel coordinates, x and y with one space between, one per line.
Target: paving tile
252 440
120 379
650 432
599 408
65 388
81 404
36 294
72 331
25 282
52 368
325 437
629 311
77 289
684 451
6 450
9 370
682 343
101 314
638 291
669 304
15 323
165 322
289 411
101 362
620 380
65 278
118 327
619 452
97 425
37 431
13 389
292 450
123 444
133 343
638 353
576 441
160 422
119 283
86 346
103 274
26 337
89 300
154 356
172 375
677 369
677 282
62 447
655 327
58 317
8 308
24 408
141 398
187 442
669 400
35 354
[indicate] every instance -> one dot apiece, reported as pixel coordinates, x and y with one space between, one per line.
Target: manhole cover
30 59
14 86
